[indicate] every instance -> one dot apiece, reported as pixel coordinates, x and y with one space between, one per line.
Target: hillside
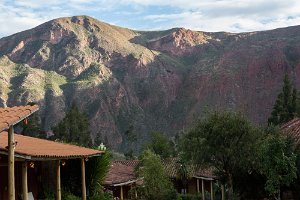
157 80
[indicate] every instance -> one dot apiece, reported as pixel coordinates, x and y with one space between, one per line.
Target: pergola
28 149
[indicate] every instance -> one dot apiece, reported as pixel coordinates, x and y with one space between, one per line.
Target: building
22 158
291 129
122 178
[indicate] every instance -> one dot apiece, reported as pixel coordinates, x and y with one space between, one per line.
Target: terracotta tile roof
292 128
11 116
172 165
129 163
120 173
37 149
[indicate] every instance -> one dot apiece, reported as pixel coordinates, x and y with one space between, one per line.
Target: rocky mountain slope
159 80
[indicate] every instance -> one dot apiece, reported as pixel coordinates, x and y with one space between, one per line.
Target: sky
202 15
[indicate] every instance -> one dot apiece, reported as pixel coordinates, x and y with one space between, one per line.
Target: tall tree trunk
230 186
279 196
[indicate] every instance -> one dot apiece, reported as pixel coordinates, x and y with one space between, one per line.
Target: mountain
148 80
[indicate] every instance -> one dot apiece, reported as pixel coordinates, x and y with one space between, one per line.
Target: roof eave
22 118
124 183
204 178
49 158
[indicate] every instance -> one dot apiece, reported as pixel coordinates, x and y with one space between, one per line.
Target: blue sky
204 15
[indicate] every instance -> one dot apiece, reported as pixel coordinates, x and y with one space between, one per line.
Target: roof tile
292 128
12 115
40 148
122 171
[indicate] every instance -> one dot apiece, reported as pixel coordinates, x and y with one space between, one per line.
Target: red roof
120 173
123 171
172 165
13 115
37 149
292 128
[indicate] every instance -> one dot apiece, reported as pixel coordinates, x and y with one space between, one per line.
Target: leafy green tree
160 145
225 141
286 105
157 184
32 125
277 162
131 137
74 128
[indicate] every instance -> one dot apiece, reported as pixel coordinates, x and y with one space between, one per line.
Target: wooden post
211 190
58 186
83 179
223 192
121 195
24 181
202 189
198 186
11 164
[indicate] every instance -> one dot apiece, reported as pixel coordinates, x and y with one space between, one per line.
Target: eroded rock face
147 80
180 42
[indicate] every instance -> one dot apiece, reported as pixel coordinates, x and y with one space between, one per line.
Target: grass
22 83
95 74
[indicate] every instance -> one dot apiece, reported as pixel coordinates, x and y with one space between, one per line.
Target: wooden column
198 186
135 191
223 192
11 164
202 189
24 181
83 185
211 190
58 185
121 195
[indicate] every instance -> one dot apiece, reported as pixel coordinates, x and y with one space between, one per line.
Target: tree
183 174
157 184
32 125
74 128
286 105
97 168
160 145
132 137
225 141
277 162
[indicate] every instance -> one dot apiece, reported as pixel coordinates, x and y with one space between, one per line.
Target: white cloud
228 15
206 15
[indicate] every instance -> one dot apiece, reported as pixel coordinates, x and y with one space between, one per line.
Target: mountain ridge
157 80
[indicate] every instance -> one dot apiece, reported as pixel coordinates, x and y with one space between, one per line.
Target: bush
157 184
189 197
69 196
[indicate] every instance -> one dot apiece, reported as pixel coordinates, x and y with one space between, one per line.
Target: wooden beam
83 179
211 190
58 185
121 195
11 164
24 181
202 189
135 192
223 192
